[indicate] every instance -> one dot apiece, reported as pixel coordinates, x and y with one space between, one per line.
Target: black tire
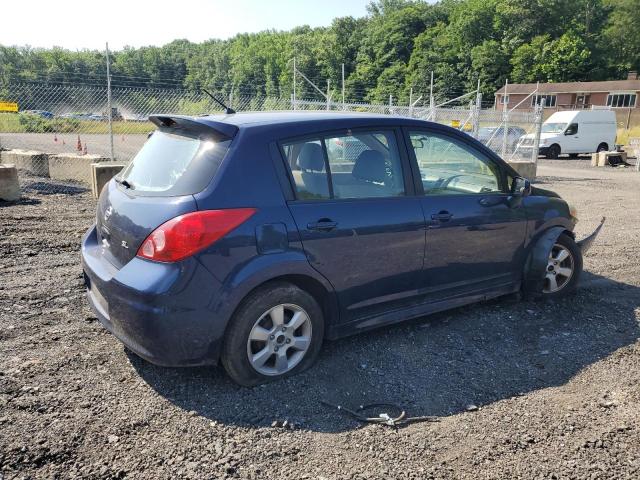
570 286
235 355
603 147
553 151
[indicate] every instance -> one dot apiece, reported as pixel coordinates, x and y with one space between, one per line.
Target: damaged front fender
538 260
585 243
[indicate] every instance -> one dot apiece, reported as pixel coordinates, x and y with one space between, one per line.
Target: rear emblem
108 212
124 244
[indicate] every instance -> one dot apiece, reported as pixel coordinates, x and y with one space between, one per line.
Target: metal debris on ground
384 418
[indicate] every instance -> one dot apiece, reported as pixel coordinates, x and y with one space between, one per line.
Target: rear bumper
159 311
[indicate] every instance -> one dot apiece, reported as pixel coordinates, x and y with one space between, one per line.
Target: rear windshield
171 164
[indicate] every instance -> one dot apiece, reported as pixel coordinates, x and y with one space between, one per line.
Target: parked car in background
39 113
493 137
77 115
574 132
247 239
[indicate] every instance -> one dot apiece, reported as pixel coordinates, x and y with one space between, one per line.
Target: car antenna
227 110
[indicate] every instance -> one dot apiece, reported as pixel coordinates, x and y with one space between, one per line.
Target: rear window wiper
124 183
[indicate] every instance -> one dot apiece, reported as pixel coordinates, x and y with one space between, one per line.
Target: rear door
475 233
359 224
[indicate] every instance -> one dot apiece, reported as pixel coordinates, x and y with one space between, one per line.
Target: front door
475 232
358 226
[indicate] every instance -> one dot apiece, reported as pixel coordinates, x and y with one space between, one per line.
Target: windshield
553 127
173 164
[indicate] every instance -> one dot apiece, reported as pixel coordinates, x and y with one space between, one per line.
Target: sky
80 24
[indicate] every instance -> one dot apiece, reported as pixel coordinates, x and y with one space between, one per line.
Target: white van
576 131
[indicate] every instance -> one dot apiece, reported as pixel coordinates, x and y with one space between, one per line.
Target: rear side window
174 163
363 164
308 168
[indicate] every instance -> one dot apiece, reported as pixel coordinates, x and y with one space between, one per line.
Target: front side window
448 167
363 164
572 129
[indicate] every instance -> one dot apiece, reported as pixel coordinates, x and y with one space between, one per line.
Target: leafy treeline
391 51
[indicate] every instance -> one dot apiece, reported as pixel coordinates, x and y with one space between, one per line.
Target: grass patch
20 123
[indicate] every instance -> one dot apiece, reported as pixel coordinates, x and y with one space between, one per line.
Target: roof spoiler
220 130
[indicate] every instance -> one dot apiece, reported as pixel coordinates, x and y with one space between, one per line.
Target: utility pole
109 109
344 107
294 83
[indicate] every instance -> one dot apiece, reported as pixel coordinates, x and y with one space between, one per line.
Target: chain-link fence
59 131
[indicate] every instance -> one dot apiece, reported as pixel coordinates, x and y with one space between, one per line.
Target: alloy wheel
560 269
279 339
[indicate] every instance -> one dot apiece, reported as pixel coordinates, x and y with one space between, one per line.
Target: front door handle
322 225
442 216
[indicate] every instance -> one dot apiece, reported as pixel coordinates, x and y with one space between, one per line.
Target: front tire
563 268
554 151
276 332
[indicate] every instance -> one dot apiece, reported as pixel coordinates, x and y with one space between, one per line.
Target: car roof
317 119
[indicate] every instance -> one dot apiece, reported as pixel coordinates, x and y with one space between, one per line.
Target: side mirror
521 187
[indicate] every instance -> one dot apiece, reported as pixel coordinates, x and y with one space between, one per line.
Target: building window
620 100
504 99
549 100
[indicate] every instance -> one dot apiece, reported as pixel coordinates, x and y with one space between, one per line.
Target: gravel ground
521 389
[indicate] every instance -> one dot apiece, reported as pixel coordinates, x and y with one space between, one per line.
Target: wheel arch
296 272
538 254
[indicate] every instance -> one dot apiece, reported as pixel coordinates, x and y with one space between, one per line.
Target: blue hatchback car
246 239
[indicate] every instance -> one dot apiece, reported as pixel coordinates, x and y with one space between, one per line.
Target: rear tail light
187 234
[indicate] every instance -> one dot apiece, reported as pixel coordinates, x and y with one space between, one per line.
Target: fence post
538 125
328 94
109 108
432 104
476 116
343 104
505 119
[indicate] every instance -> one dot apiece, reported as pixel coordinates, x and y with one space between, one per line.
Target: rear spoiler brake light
221 130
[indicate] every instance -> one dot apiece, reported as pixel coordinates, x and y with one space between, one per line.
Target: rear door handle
441 216
322 225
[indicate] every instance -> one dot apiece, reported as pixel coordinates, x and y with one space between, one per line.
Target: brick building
617 94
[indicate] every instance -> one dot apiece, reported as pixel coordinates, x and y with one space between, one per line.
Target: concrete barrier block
32 161
9 185
73 167
525 169
101 173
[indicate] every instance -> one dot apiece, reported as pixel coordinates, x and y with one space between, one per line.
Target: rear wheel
276 332
603 147
563 270
553 151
